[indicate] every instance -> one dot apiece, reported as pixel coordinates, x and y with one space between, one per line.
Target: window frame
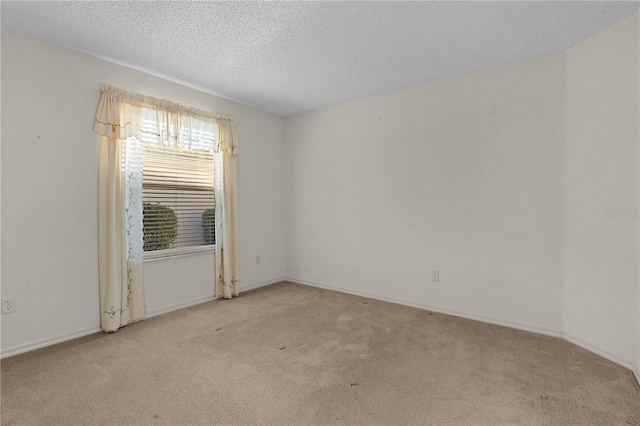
178 252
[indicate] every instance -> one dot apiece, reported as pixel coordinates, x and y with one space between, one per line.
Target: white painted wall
498 179
49 193
463 176
601 173
178 281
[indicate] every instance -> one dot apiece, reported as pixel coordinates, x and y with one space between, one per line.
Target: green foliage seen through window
160 227
209 225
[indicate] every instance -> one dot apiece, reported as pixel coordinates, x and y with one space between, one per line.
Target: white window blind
180 178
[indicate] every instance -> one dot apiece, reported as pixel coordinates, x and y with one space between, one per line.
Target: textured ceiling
291 57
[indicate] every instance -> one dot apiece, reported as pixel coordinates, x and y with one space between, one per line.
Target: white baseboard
260 284
174 307
620 360
198 300
38 344
604 353
27 347
504 323
31 346
630 364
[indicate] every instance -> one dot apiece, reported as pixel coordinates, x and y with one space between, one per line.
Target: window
178 195
189 157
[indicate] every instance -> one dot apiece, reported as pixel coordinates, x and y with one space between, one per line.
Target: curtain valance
122 114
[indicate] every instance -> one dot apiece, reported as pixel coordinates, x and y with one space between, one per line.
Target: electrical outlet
258 259
435 276
8 306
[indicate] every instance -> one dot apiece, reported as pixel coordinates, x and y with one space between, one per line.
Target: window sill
178 252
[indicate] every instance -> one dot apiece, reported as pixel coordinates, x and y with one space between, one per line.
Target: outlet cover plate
8 306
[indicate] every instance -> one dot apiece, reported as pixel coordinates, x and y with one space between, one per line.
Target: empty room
292 213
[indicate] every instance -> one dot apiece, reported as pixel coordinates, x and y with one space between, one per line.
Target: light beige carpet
290 354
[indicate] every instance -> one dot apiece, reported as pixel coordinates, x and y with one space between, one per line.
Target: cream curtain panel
226 213
124 120
120 234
